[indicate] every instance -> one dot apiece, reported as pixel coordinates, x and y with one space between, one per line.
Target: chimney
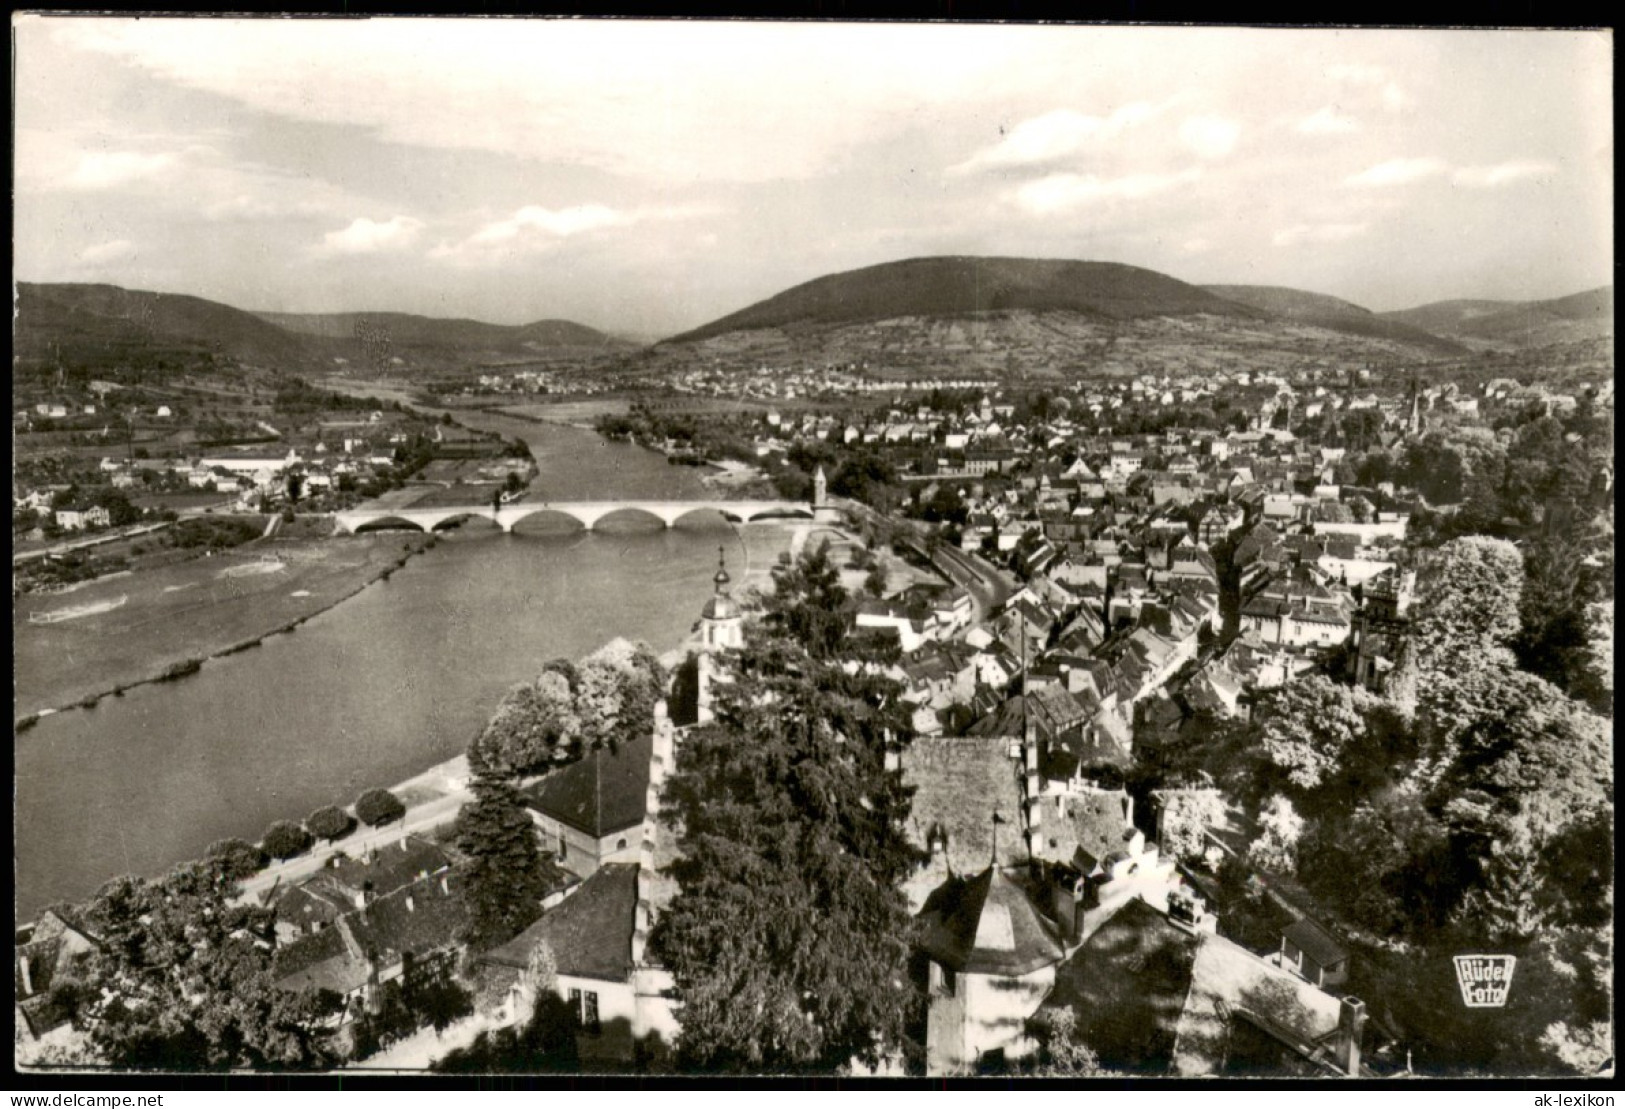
410 904
445 888
28 979
1350 1026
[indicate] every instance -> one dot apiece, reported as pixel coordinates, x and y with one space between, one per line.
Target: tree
1309 727
1183 819
179 982
806 602
285 839
378 806
1468 607
617 688
1060 1053
792 833
545 1043
1386 866
874 583
535 724
239 858
505 880
1276 849
329 823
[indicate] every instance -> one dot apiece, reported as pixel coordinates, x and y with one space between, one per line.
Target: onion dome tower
721 622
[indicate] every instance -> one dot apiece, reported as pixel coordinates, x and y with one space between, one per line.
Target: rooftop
590 931
601 794
988 925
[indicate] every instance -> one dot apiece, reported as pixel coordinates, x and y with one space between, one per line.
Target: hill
961 287
1334 314
425 331
89 322
108 326
1517 324
1036 319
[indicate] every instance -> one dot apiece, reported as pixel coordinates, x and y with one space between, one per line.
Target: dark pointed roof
603 793
590 932
988 925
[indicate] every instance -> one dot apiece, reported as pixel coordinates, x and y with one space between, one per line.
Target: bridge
587 513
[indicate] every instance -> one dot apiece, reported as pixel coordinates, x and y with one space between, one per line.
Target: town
878 554
1143 698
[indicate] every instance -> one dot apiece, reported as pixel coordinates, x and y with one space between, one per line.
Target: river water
373 691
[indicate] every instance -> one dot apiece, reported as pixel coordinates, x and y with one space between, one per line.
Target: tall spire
722 579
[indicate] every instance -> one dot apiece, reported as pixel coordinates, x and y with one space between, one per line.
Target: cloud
1397 171
1054 135
1060 192
365 236
1209 136
556 223
118 250
106 170
248 207
1504 173
1327 121
648 99
1393 97
1319 233
535 228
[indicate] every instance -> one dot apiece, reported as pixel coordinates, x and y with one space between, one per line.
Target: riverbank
178 616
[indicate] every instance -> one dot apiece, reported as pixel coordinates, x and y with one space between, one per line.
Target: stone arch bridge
587 513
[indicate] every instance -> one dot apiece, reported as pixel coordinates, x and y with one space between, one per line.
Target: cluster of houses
254 475
1037 892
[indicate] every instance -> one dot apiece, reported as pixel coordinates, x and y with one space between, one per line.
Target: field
187 611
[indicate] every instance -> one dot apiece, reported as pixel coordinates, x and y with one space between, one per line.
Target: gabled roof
1315 942
590 932
601 794
1152 997
959 782
988 925
1082 828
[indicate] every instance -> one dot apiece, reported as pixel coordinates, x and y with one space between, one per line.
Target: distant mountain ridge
417 330
65 317
95 322
955 286
1581 316
1332 313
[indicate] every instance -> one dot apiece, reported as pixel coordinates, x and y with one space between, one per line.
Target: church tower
722 628
1413 424
721 623
820 489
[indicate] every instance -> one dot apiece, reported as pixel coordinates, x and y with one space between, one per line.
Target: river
373 691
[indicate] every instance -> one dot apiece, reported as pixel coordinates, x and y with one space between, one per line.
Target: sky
647 177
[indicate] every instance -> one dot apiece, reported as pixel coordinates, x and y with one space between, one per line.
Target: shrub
379 806
331 822
241 858
285 839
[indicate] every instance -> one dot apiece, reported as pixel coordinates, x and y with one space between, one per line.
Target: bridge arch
597 514
512 516
704 511
779 512
459 517
390 522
